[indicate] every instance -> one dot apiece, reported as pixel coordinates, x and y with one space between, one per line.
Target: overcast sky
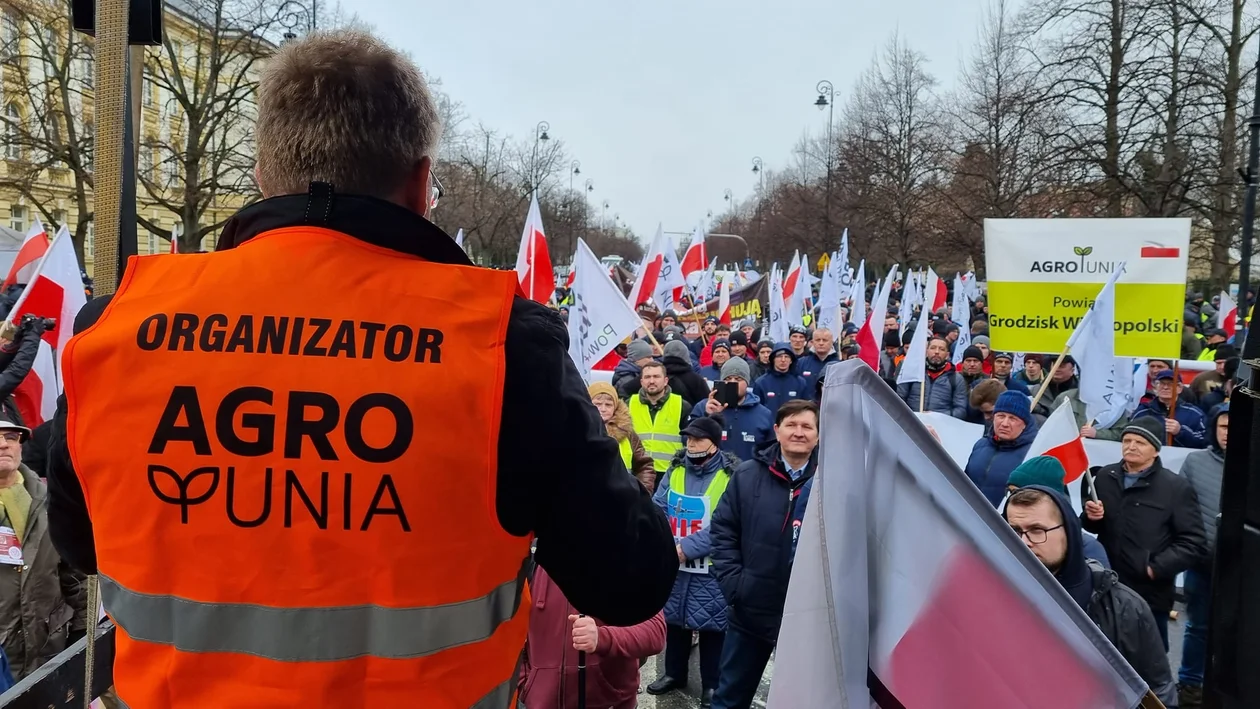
664 102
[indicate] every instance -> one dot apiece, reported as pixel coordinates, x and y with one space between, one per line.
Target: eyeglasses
11 437
435 190
1036 535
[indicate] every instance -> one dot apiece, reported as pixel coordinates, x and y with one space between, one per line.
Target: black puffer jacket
1154 523
16 360
684 380
1127 622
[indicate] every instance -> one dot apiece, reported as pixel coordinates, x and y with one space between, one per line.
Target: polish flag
790 281
870 336
724 302
1060 438
912 591
34 246
697 257
1153 250
55 291
673 284
649 277
939 301
533 263
1227 315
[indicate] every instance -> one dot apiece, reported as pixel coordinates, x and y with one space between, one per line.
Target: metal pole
1251 345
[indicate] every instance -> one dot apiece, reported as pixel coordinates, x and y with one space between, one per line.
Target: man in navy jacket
781 384
762 511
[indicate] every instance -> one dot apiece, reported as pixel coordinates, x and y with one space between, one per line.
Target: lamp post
540 134
761 189
291 13
603 220
729 197
827 100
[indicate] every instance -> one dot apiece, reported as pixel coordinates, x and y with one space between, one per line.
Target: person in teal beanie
1047 471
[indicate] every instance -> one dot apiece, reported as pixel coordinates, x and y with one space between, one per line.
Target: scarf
16 502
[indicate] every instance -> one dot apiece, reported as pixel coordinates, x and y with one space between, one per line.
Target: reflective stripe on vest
272 507
660 437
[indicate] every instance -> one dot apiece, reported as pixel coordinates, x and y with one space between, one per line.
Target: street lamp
291 15
827 100
576 170
756 163
603 220
540 133
590 186
729 197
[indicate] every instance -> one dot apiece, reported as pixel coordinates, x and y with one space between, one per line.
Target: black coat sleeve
23 359
1188 547
725 550
1140 644
68 521
600 536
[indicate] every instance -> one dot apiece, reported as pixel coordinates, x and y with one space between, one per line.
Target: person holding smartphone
747 423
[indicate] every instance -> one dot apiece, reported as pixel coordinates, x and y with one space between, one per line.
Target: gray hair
342 107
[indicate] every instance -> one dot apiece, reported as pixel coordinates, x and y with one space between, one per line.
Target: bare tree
201 85
47 138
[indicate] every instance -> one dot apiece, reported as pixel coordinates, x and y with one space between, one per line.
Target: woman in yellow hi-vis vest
616 418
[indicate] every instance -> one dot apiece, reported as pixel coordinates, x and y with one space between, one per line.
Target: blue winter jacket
1193 422
992 461
946 394
753 538
711 373
749 426
810 367
696 602
774 388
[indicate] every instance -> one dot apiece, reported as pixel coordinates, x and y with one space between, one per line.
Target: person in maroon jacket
549 675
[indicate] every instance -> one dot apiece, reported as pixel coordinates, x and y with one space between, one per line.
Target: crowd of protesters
719 413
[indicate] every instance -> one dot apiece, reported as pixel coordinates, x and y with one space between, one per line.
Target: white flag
915 363
961 315
672 285
647 280
829 298
459 238
600 318
779 329
1093 346
858 316
846 275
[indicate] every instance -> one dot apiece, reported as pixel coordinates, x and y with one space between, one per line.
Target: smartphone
727 393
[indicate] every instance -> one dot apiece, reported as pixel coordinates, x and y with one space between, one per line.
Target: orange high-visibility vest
289 456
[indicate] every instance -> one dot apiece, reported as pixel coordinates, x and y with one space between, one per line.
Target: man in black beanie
888 358
1147 518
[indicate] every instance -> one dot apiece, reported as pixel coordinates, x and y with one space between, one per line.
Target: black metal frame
59 683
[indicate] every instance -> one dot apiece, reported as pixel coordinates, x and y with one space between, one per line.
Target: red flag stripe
1072 456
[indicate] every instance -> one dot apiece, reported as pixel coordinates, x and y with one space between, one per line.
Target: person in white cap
42 601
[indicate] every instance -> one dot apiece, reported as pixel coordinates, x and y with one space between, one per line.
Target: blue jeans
744 659
1194 642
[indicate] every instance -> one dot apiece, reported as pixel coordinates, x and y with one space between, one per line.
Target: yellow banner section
1041 316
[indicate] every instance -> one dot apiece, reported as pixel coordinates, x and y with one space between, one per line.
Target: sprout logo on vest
347 500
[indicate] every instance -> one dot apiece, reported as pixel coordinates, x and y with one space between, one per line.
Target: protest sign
746 302
1043 274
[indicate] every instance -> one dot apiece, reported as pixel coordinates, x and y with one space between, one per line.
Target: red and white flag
1060 438
55 291
533 263
724 302
673 284
791 280
697 257
34 246
942 292
650 283
909 589
1227 315
870 336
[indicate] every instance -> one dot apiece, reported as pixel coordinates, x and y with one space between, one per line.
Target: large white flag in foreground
907 585
600 317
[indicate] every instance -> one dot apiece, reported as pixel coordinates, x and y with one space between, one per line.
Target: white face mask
701 455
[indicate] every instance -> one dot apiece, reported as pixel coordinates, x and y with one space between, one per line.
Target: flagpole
922 391
532 265
1172 407
1049 376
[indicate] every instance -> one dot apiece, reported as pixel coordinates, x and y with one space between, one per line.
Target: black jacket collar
368 219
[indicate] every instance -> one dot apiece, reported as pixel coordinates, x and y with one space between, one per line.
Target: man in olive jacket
42 601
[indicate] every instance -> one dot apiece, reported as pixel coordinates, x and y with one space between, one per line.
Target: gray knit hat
1148 427
677 348
637 350
737 367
